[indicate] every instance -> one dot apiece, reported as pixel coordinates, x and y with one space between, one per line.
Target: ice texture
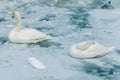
68 22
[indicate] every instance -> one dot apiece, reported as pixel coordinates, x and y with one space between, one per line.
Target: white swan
89 49
28 35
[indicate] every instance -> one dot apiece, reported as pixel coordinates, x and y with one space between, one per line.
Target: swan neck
19 23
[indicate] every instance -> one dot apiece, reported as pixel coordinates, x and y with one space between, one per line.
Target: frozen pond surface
67 24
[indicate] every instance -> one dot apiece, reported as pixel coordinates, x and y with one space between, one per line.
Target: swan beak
12 15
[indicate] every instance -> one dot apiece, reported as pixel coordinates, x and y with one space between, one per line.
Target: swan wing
98 50
30 36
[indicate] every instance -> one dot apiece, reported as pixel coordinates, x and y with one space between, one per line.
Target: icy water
68 22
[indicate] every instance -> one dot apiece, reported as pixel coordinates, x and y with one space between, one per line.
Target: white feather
36 63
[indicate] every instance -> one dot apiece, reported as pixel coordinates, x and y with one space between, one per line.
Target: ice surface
68 22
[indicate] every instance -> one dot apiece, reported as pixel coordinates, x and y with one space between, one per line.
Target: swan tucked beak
12 15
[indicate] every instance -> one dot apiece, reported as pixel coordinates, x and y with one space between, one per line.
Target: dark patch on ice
47 43
118 51
23 17
94 69
27 26
108 32
113 63
2 19
96 4
78 10
3 40
117 67
49 17
43 28
76 67
29 12
79 18
53 35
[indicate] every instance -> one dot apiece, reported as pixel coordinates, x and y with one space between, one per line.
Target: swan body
28 35
89 49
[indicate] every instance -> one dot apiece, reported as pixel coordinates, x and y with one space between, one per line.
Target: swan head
86 45
15 14
90 42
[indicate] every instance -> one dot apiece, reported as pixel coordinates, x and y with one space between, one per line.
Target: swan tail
111 48
48 37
